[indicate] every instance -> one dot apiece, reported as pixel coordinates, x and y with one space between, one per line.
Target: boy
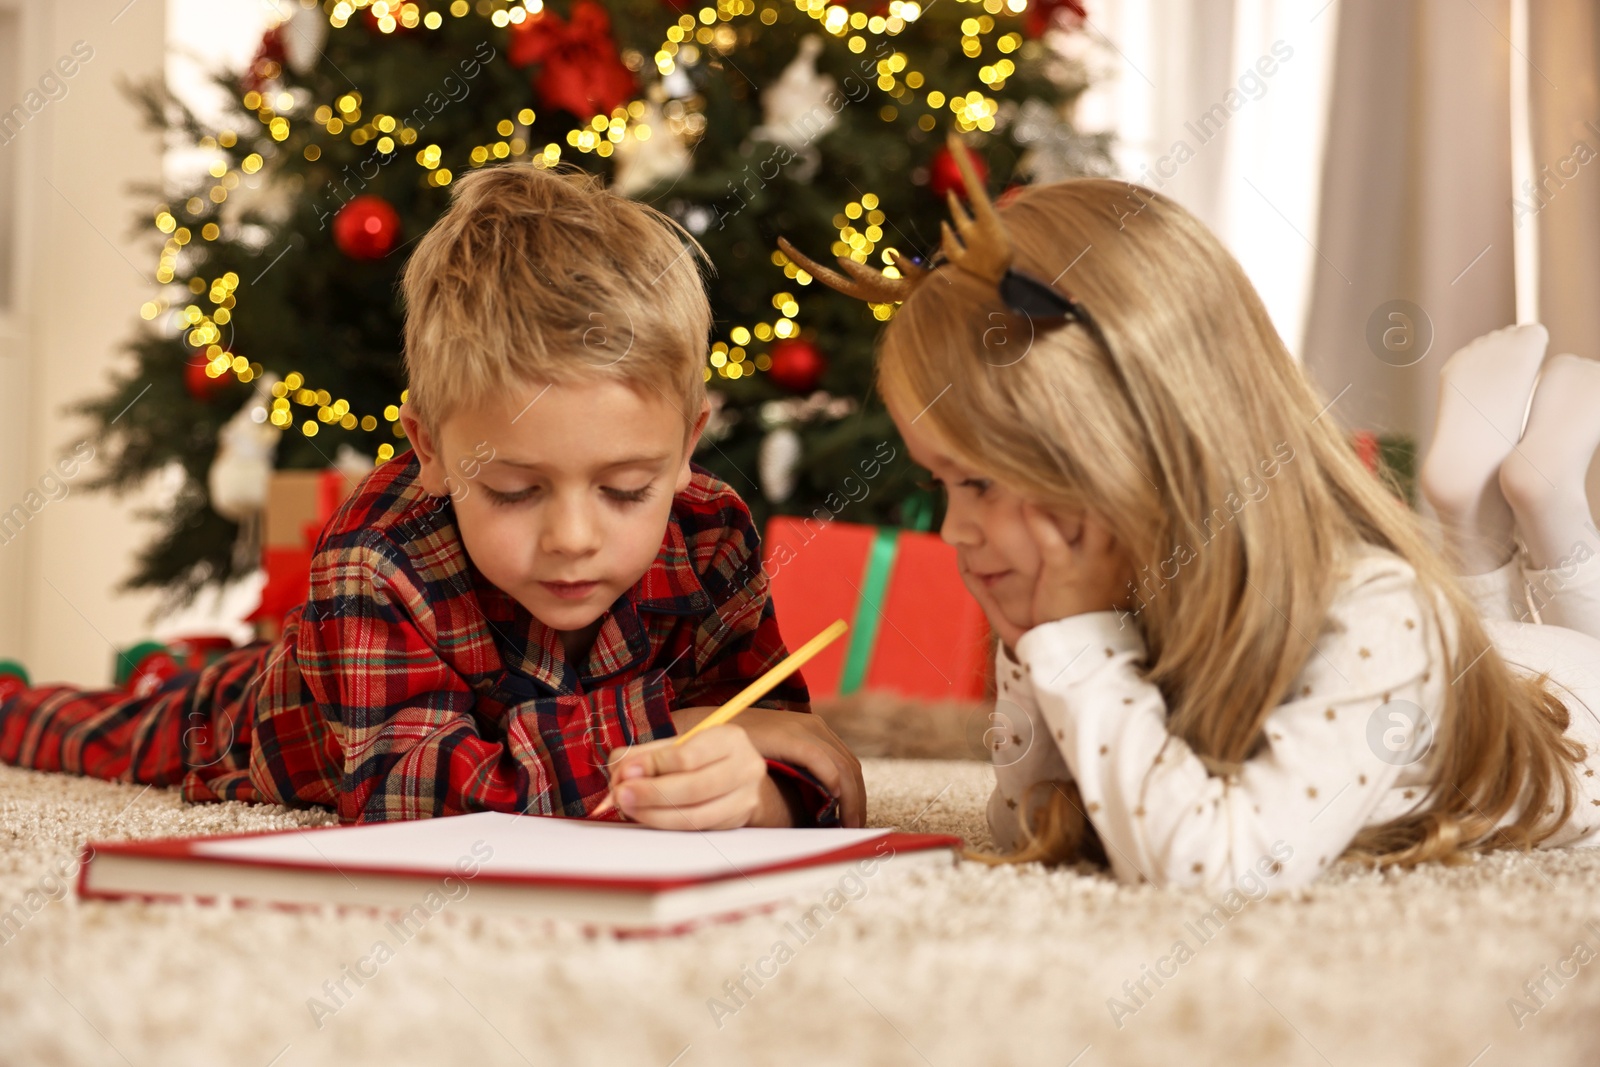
525 606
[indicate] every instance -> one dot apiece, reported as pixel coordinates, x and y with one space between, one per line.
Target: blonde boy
517 613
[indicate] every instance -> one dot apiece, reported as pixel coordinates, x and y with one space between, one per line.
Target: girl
1228 654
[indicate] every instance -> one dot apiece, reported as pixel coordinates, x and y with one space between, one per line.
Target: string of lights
860 224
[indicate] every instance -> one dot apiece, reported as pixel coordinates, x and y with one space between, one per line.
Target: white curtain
1564 48
1221 105
1416 194
1418 203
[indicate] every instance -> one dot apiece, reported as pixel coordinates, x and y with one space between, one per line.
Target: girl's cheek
1021 552
1020 591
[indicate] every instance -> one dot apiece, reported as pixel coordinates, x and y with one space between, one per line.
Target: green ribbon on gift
869 609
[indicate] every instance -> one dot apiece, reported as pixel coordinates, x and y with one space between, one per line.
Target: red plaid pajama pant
197 719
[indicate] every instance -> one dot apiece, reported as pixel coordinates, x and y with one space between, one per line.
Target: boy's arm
735 648
739 643
412 745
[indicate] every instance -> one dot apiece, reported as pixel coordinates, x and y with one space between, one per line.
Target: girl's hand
1082 569
716 780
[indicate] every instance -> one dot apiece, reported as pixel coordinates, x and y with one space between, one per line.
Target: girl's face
996 555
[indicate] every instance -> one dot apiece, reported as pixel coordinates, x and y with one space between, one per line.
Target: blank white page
540 845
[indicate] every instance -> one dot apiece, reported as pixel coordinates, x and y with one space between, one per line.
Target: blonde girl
1228 654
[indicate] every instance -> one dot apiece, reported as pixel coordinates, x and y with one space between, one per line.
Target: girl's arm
1021 747
1327 761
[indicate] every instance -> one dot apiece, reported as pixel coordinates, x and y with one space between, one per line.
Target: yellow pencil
754 691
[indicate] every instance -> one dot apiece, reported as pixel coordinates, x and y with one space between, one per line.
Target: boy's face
562 492
995 552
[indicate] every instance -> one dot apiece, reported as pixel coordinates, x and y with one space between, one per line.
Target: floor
960 966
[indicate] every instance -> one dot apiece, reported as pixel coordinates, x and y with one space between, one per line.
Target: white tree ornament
304 33
643 163
796 111
246 446
777 462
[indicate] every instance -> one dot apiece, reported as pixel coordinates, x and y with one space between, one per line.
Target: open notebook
603 874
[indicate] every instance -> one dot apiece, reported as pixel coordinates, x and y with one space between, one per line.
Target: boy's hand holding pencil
713 776
716 781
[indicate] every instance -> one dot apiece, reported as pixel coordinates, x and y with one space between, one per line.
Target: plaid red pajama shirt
408 686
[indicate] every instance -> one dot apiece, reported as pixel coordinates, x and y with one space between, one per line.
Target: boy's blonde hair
536 274
1154 429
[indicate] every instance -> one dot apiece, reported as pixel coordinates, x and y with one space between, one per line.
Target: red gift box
299 504
1368 449
914 628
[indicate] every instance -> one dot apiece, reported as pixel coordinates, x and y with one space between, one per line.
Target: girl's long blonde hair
1189 394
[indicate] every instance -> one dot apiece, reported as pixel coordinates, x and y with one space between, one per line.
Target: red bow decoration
580 70
270 54
1042 13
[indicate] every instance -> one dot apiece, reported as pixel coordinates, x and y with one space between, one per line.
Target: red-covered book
604 875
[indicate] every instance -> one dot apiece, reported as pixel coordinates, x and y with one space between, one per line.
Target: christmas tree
277 328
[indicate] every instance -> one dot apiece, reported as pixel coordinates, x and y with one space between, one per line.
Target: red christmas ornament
366 228
579 68
201 385
1042 14
944 175
796 365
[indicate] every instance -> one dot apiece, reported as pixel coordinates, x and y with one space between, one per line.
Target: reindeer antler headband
979 245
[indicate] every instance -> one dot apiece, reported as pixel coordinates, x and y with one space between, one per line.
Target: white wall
79 283
79 280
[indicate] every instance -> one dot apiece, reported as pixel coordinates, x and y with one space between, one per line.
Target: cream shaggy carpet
956 967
